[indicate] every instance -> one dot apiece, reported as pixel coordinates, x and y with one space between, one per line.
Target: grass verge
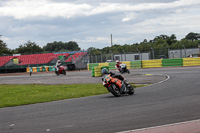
15 95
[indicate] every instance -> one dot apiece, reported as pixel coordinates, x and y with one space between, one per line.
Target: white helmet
117 61
58 60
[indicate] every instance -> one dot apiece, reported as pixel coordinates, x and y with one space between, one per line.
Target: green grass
14 95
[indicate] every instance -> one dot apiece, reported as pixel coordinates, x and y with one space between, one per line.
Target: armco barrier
41 69
128 64
96 71
191 61
151 63
136 64
103 64
172 62
27 69
112 65
34 69
91 65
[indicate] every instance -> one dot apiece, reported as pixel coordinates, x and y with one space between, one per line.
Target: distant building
184 53
132 57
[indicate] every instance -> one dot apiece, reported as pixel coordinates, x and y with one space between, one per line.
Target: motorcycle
123 69
116 86
61 70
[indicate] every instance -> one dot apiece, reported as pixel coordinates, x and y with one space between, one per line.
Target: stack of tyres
112 65
38 69
46 68
43 68
96 72
128 64
103 64
27 69
34 69
93 73
91 65
136 64
107 67
50 68
53 68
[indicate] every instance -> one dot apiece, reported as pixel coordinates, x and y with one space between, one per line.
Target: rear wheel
121 71
114 90
57 73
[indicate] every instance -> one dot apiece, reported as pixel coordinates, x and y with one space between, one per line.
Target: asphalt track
172 101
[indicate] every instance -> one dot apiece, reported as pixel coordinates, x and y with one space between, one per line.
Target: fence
164 53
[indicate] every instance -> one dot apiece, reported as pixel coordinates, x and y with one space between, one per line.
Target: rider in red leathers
117 65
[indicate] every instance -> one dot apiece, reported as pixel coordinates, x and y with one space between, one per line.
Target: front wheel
64 72
131 90
114 90
128 71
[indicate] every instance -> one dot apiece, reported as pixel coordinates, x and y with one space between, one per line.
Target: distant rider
122 67
58 63
117 65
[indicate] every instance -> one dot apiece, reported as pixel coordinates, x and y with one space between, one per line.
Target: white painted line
174 124
12 125
168 77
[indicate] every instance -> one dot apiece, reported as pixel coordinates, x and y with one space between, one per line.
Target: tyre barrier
175 62
41 69
96 71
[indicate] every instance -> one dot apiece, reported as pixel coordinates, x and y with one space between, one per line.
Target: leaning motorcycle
116 86
123 69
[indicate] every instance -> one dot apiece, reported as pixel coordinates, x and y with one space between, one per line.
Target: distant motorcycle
123 69
61 70
116 86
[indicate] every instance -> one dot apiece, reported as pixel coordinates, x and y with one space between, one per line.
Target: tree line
160 44
31 47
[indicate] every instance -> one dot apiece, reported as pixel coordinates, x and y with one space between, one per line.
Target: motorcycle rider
120 77
117 65
58 63
105 71
122 66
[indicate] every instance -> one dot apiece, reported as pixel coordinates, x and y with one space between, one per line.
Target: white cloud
129 17
33 8
90 23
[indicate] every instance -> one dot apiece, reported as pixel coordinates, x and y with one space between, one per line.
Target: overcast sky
90 22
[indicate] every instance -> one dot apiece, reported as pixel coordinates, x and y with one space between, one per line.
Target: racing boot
126 83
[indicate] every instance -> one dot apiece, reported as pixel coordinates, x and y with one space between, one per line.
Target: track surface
175 100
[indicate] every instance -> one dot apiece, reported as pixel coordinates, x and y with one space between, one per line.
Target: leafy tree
73 46
171 39
61 46
192 36
29 47
4 49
